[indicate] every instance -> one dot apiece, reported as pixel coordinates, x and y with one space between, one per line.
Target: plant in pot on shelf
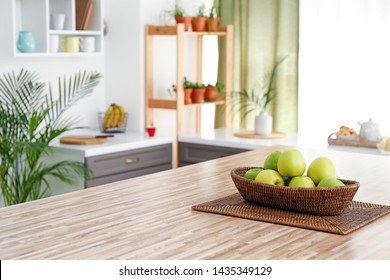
30 119
187 89
178 13
259 101
213 20
199 22
212 91
198 91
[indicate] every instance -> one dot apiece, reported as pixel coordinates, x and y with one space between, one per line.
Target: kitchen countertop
120 142
150 217
225 137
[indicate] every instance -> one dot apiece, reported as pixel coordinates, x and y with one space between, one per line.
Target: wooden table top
150 217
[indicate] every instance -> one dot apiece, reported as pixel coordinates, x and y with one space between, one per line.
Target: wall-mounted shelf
34 16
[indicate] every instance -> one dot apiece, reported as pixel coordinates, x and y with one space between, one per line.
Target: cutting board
82 140
252 134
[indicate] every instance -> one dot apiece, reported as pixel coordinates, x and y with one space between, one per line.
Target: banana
107 118
121 115
114 117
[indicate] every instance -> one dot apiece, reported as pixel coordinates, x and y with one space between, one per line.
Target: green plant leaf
30 119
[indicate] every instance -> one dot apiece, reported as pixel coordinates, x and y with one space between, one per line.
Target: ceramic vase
210 93
199 24
197 95
263 123
186 20
187 96
25 42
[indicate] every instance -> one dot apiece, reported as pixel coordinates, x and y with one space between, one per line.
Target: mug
54 43
71 44
87 44
57 21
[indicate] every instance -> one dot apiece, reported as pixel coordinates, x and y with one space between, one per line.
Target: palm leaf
29 120
262 93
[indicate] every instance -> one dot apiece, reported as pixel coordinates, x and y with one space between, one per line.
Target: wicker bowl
317 201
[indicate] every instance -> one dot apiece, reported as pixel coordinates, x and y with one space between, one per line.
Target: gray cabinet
128 164
190 153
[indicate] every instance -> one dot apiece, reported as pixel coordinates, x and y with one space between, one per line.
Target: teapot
370 131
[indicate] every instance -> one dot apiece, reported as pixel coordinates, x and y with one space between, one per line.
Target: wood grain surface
150 217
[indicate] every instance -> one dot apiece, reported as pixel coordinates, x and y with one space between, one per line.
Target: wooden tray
83 140
357 142
251 134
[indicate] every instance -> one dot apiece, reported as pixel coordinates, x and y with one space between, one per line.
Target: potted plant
213 20
178 13
213 90
30 119
199 23
258 101
187 89
198 90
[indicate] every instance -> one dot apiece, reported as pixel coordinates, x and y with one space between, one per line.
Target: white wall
123 59
50 68
343 65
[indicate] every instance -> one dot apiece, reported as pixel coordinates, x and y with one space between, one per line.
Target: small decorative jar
25 42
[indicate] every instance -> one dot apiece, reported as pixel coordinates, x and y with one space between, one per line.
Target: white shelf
34 16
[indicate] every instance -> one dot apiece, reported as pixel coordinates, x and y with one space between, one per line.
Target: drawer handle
131 160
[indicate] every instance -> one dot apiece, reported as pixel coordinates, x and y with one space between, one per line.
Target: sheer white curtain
344 65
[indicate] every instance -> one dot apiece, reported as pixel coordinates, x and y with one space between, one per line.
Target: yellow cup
71 44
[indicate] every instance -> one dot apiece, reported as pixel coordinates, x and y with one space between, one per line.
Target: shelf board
58 54
171 104
76 32
162 104
172 30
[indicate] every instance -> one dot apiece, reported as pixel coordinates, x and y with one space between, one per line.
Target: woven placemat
252 134
357 215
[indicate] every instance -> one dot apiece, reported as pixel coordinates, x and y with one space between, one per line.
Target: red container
151 131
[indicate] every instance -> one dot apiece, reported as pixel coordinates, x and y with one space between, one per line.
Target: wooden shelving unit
178 104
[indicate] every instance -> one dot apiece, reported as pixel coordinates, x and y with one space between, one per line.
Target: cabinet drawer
193 153
126 175
129 161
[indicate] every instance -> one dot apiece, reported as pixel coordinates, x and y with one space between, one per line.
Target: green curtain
264 31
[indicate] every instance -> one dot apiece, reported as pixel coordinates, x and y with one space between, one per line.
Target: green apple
291 163
271 162
252 173
302 182
330 182
269 176
321 168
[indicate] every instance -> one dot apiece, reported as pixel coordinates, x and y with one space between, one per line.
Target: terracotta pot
210 93
199 24
186 20
197 95
212 24
187 96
